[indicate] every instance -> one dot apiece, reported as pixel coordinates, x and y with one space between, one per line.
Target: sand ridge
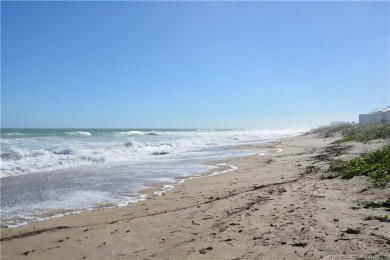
267 208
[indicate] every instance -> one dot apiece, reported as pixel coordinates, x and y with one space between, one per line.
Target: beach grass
365 133
355 132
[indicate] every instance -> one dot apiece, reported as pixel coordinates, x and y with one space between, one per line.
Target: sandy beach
268 206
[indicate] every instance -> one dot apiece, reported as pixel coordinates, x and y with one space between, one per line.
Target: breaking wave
14 134
12 154
79 133
136 133
40 154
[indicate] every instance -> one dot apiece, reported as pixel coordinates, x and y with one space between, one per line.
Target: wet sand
270 207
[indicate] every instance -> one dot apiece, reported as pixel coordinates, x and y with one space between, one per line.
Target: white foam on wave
40 154
64 151
231 168
14 134
163 189
79 133
14 153
136 133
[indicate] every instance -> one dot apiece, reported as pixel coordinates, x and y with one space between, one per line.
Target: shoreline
152 188
265 208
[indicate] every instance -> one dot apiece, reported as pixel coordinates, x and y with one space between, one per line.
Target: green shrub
382 218
375 165
377 204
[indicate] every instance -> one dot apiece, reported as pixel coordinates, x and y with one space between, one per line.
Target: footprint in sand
27 252
62 240
104 243
205 250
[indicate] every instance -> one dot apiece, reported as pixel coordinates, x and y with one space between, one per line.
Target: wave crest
79 133
14 134
13 153
136 133
65 151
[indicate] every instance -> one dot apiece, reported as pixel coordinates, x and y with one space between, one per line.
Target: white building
376 116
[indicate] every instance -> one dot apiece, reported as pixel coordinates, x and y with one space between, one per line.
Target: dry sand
268 208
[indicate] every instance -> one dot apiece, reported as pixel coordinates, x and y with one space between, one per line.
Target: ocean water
68 170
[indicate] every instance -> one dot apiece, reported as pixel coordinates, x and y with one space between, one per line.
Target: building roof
385 109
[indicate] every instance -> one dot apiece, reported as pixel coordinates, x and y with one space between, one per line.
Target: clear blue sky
192 64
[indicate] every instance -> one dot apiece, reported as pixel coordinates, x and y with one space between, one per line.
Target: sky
252 65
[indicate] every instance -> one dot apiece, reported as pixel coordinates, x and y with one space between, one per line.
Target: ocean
66 171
